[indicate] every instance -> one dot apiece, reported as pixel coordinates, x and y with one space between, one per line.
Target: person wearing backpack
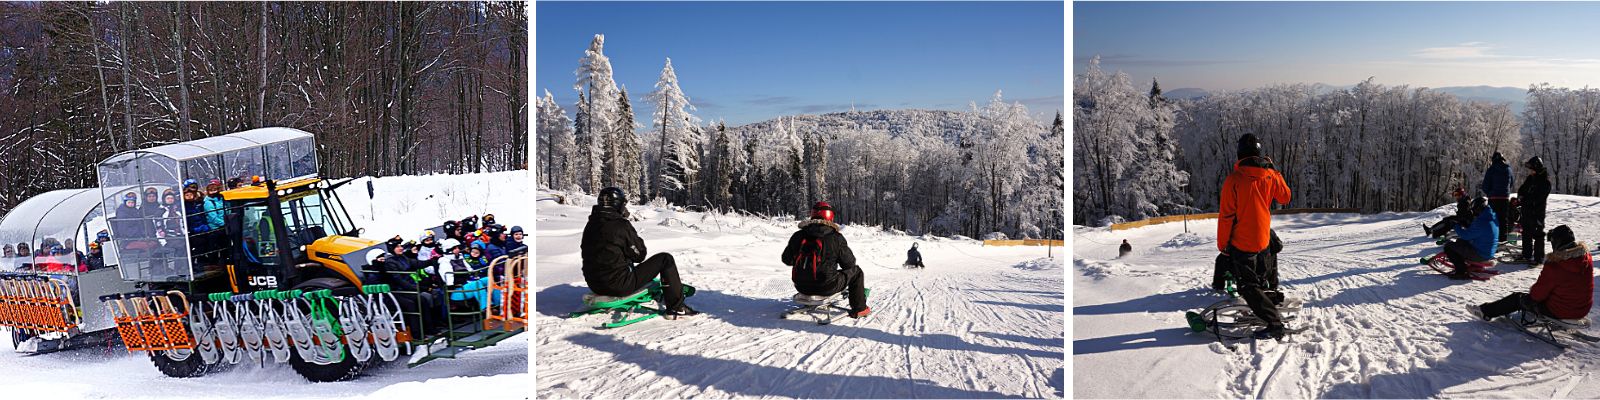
821 261
611 246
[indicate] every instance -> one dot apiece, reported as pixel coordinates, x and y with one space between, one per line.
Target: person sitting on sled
1531 198
1244 229
610 247
1474 243
1124 249
913 257
1462 217
821 261
1564 290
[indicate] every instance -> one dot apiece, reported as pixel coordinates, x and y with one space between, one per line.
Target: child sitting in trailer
1564 290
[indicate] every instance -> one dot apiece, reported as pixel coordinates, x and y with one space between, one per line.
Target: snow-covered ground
1381 325
404 206
978 322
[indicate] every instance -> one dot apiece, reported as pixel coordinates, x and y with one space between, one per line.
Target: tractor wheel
344 370
190 367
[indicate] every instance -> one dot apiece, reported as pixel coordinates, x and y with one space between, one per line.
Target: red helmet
822 211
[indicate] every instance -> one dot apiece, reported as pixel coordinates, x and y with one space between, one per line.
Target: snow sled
822 309
1550 329
1231 319
1476 270
627 310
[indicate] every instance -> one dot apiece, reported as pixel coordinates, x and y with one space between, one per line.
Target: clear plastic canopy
49 232
143 192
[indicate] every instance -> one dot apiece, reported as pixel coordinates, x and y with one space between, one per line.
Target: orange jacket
1245 219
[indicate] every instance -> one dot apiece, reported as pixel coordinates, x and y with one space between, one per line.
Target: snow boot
680 311
1274 332
861 314
1477 311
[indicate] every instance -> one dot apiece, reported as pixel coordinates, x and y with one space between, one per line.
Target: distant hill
1185 93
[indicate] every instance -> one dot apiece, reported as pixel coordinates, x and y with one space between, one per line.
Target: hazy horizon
1233 46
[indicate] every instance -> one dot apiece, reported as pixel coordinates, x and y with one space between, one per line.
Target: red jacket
1247 197
1566 285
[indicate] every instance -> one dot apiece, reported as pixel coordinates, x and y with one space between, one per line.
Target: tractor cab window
259 238
307 220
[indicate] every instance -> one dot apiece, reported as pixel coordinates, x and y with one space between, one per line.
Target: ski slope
1381 324
403 205
979 322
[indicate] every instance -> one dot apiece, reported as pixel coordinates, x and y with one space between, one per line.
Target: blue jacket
214 206
1497 181
1482 234
195 214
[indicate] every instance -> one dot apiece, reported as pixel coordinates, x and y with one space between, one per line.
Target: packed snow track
979 322
1381 325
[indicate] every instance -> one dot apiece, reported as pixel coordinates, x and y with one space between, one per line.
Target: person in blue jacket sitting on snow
1476 242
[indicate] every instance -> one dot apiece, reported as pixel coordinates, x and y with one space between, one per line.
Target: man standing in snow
1497 183
1531 198
1244 228
610 247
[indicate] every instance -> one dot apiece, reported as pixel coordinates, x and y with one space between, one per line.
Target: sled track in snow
1380 324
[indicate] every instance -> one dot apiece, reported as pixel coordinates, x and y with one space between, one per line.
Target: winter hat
1561 237
1249 146
1535 164
822 210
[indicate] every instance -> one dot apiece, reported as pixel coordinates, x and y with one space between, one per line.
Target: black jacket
1532 196
395 271
820 275
609 248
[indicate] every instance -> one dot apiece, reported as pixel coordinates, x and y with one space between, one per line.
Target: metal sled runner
822 309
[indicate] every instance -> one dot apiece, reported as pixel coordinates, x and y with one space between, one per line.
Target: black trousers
660 264
1509 304
1533 240
1444 226
1266 267
854 283
1459 252
1502 212
1252 286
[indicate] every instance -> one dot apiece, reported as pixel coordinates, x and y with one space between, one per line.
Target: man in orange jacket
1244 228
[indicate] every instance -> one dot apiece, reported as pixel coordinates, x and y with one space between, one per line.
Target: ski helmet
515 229
94 246
1497 157
449 244
488 219
191 183
449 226
1249 146
822 211
373 256
1478 203
612 198
1561 237
1535 164
130 197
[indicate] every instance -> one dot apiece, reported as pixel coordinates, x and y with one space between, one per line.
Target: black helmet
612 198
449 226
1535 164
1478 203
1249 146
1497 157
1561 237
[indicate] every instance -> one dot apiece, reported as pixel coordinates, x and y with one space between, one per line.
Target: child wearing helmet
1462 217
821 261
611 246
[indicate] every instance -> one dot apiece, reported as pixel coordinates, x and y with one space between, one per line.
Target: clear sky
751 61
1213 45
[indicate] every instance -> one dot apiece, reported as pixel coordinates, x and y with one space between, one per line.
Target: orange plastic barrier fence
1024 242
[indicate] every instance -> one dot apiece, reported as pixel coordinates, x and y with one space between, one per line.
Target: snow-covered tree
678 133
1125 153
601 106
556 144
627 160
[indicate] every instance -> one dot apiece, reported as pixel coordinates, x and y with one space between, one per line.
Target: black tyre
344 370
191 367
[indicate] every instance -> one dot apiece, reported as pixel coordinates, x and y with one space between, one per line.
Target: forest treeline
993 168
1370 147
388 87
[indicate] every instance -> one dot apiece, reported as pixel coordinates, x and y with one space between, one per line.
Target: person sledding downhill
610 248
1244 227
1559 300
914 258
1531 199
1472 251
822 263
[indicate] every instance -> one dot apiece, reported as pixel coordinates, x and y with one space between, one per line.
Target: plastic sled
627 310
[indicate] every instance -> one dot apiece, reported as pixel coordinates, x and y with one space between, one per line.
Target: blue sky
747 62
1251 44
